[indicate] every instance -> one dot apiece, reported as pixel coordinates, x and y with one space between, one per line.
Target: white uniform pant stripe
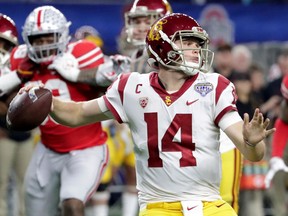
100 172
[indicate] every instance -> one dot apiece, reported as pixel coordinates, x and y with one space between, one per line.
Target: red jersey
57 137
281 136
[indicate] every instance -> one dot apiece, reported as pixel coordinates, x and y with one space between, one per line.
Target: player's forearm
74 114
252 151
67 113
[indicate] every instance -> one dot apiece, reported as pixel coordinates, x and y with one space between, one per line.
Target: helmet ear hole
171 55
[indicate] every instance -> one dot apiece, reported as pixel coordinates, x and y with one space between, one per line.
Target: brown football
29 109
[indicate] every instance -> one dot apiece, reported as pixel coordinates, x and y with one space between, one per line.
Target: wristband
249 144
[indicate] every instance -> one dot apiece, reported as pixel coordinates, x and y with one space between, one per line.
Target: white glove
67 66
276 164
105 74
111 68
121 63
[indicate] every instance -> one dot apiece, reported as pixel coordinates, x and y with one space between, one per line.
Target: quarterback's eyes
191 43
188 41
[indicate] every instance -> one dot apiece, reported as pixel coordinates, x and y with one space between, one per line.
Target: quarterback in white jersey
175 116
176 135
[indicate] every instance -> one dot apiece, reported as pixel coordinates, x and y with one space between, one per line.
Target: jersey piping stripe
122 84
222 84
101 171
112 110
96 58
89 54
222 113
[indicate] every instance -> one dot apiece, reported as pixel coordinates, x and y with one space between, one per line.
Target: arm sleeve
114 98
229 119
225 100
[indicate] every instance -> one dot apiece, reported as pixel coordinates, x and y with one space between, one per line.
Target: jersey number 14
182 122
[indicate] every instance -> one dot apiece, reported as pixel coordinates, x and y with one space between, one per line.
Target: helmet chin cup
190 68
173 55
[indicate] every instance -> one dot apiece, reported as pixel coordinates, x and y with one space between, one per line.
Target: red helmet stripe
39 16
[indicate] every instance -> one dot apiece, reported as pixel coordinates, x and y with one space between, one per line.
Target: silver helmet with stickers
43 21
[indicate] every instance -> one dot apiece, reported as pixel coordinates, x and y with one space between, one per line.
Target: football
29 109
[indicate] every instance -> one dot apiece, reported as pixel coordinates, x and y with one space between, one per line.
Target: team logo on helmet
154 32
143 101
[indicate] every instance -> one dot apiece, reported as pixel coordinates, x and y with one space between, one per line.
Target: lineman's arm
103 75
249 137
74 114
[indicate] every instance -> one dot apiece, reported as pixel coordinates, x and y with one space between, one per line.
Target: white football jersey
225 143
176 135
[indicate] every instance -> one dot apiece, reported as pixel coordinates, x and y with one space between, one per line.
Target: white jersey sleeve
225 143
116 97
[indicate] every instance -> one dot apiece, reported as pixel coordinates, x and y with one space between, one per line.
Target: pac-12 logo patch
143 101
203 88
